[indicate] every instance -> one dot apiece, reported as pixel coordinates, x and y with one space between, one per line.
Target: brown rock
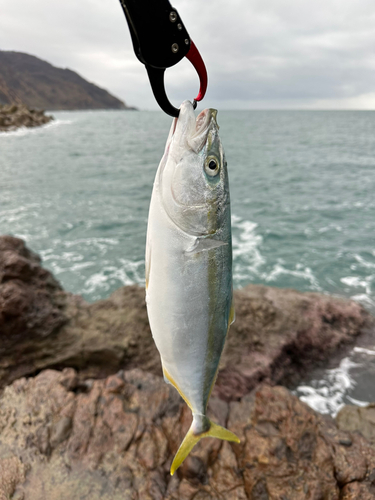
355 419
14 116
115 439
12 473
277 336
280 334
31 309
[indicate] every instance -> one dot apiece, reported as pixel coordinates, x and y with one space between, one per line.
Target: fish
189 290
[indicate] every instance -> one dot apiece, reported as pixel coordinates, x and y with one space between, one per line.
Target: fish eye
211 166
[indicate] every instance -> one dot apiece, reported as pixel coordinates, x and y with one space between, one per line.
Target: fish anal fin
191 439
170 380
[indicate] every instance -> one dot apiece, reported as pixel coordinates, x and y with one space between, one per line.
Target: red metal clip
196 60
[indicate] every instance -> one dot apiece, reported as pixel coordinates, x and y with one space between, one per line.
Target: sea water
303 208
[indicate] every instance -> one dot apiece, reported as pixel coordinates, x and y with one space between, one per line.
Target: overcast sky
260 54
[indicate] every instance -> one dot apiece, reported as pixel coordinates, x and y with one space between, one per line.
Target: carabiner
160 40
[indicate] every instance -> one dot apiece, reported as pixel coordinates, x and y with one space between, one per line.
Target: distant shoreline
130 108
14 116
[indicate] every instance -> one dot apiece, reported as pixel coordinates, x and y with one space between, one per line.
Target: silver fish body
189 265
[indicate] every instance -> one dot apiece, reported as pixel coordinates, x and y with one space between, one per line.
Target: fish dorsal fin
204 244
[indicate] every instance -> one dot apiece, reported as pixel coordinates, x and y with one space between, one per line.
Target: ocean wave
363 262
327 394
367 297
99 243
112 277
250 264
33 130
300 271
247 258
364 350
15 214
350 383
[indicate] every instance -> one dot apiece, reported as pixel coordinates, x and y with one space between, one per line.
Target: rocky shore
13 116
84 412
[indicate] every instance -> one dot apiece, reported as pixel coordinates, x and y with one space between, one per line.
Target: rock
14 116
277 336
280 334
31 310
355 419
115 439
12 472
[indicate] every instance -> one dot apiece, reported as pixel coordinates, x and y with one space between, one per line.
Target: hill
36 83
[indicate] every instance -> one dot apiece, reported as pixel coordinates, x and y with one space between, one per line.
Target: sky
260 54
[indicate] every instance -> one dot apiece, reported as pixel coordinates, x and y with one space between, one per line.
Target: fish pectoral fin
191 439
204 244
232 314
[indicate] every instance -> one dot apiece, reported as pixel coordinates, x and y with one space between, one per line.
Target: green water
302 188
302 191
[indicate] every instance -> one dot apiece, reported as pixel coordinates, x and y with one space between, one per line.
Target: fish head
193 174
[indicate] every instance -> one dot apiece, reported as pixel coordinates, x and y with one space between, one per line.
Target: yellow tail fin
191 439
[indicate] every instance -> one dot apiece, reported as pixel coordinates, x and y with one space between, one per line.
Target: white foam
363 350
99 243
301 272
364 299
364 262
366 282
247 259
111 277
357 402
33 130
331 227
327 394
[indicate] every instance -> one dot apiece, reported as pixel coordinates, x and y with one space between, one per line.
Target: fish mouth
190 131
204 119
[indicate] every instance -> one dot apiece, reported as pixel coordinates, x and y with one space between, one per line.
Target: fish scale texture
115 439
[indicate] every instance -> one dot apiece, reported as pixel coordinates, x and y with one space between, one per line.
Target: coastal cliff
37 84
84 411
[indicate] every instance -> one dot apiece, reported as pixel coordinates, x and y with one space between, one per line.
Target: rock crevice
118 439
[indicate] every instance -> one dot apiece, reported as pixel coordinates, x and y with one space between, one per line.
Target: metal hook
156 77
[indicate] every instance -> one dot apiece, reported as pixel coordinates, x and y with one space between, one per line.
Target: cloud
274 54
